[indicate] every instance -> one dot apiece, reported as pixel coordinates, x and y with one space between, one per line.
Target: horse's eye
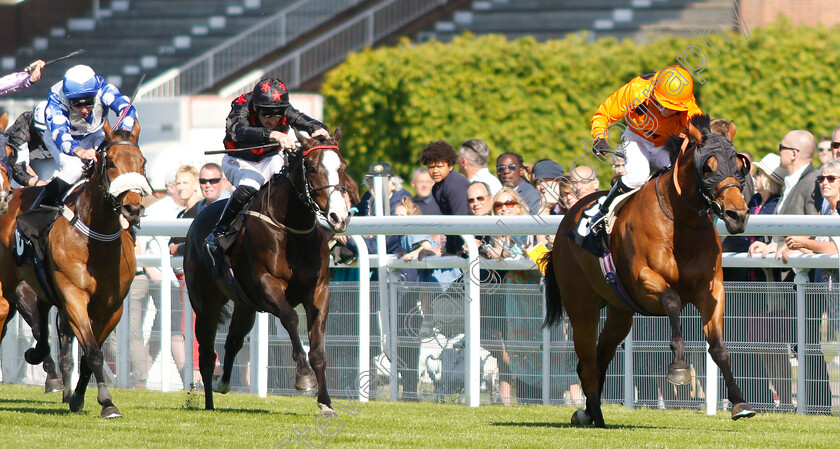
707 170
109 164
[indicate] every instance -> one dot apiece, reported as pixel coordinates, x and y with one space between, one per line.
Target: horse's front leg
711 312
316 317
240 324
65 353
678 372
76 307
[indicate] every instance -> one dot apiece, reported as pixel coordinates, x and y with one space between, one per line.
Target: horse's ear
731 133
108 130
337 134
695 132
135 132
4 121
300 137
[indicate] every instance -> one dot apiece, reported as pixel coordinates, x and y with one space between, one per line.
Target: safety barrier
776 332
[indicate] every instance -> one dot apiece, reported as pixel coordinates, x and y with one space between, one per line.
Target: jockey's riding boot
597 224
51 194
237 201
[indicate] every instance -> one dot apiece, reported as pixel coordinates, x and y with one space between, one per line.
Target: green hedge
537 98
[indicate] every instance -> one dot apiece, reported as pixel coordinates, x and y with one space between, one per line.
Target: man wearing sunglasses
654 106
835 143
77 107
263 116
509 170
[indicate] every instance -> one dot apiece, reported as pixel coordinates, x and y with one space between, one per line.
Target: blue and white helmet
39 120
80 81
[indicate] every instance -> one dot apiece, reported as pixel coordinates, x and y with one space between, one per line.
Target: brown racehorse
25 301
667 253
90 263
280 259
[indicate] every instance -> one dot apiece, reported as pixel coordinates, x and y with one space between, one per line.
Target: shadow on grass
558 425
37 411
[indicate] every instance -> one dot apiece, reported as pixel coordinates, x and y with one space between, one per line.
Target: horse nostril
734 215
334 217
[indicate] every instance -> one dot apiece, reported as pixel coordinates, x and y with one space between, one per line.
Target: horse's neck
282 202
93 209
684 195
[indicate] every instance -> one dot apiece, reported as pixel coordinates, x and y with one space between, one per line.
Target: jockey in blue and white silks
77 108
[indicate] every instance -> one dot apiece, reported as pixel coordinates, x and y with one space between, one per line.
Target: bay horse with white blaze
280 258
667 254
89 260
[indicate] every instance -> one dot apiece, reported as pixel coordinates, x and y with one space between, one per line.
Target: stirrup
597 224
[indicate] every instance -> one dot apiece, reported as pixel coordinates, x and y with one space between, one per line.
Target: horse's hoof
33 357
327 411
742 410
580 418
53 386
221 387
110 412
679 376
306 383
66 397
77 405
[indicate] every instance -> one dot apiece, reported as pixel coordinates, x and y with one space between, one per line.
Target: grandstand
187 47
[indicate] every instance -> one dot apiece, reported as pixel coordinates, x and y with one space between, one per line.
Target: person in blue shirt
77 107
450 189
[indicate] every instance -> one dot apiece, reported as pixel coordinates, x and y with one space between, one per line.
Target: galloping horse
25 301
280 258
89 259
667 253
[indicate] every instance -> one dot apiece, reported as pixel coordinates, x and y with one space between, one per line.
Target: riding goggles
81 102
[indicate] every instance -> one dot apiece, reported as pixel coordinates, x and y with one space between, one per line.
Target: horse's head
332 191
120 172
721 174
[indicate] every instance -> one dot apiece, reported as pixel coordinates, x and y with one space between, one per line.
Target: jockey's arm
117 102
299 120
612 110
239 127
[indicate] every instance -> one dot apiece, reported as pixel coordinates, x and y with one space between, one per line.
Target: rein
678 188
101 152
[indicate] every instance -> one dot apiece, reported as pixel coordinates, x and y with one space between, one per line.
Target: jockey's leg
636 162
52 193
241 196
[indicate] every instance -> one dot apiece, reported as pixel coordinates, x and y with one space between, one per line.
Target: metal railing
227 58
373 333
365 29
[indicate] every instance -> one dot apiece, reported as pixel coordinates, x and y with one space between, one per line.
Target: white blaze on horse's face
338 215
4 196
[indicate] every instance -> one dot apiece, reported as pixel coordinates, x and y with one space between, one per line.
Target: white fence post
629 388
259 356
167 277
800 280
472 373
711 383
365 374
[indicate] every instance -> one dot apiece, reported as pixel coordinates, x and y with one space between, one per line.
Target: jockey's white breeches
70 167
639 155
255 174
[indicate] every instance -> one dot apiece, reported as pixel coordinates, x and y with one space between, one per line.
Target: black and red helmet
270 93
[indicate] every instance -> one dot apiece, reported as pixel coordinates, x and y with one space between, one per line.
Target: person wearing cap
261 122
26 139
21 80
654 106
75 115
548 175
472 163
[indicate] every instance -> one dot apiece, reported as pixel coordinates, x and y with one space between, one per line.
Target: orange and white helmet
674 88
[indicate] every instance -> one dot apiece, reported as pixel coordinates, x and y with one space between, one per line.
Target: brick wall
801 12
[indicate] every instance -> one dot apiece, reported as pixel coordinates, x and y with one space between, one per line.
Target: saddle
598 245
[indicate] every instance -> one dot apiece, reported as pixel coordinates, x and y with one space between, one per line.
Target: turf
30 418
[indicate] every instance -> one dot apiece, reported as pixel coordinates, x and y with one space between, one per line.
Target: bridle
104 180
707 185
306 196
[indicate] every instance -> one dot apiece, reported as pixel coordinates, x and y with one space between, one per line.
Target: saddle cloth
581 233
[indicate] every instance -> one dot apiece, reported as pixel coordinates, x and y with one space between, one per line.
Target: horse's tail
553 303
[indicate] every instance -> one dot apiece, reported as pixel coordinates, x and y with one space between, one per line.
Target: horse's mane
701 122
123 134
